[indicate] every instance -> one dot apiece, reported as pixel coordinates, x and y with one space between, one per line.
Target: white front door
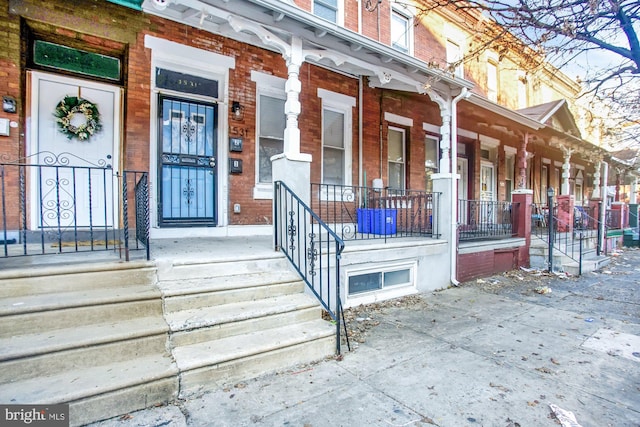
62 196
487 193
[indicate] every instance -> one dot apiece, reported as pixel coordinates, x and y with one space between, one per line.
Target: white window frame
267 85
403 131
340 103
374 295
523 93
339 12
493 78
404 14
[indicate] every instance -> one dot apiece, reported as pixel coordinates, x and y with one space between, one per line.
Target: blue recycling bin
377 221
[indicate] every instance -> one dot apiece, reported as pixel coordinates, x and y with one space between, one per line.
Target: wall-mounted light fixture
9 104
237 111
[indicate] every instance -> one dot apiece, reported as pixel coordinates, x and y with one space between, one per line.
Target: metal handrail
313 248
60 203
484 219
366 213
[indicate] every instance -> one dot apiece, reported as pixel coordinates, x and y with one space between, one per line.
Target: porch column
566 171
596 182
633 197
446 163
521 201
293 167
522 163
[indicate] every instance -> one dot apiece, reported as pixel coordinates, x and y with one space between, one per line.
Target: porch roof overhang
268 23
510 115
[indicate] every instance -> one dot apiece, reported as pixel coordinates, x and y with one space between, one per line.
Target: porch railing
569 237
313 248
59 203
482 220
140 196
363 213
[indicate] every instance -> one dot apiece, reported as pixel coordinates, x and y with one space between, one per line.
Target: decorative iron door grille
187 163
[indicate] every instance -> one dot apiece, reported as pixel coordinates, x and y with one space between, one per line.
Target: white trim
579 167
399 120
510 150
32 135
546 161
372 296
405 12
557 164
487 141
467 133
274 87
428 127
344 104
187 59
336 98
197 58
268 81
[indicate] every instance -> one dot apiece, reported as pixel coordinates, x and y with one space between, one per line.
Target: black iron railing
567 234
482 220
362 213
59 203
313 248
141 203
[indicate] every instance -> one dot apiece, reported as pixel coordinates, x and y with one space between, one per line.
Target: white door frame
32 132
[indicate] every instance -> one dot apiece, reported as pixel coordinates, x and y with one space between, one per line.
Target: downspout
603 211
464 94
360 109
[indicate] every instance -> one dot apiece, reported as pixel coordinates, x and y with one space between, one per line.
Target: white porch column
293 167
596 181
566 171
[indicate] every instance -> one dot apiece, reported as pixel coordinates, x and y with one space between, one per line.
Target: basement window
391 277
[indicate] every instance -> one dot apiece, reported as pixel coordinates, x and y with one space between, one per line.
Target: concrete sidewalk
494 352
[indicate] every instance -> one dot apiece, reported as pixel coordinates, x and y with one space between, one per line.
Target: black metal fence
362 213
59 203
312 247
482 220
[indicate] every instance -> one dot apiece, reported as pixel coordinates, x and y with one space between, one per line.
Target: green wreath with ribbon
77 118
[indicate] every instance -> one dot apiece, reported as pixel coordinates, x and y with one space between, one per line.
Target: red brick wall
487 263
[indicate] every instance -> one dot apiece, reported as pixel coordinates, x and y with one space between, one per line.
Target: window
523 100
396 158
327 9
336 137
492 81
509 164
454 57
378 280
401 31
270 134
430 160
270 124
544 181
333 153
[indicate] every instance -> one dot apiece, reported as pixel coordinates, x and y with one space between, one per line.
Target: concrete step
102 390
56 305
76 357
186 320
53 279
248 355
215 298
81 336
182 287
202 268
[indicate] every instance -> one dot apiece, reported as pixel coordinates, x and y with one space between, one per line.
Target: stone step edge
240 311
93 335
231 259
59 270
212 284
76 299
247 345
77 384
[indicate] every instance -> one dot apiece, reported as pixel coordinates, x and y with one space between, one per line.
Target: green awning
133 4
